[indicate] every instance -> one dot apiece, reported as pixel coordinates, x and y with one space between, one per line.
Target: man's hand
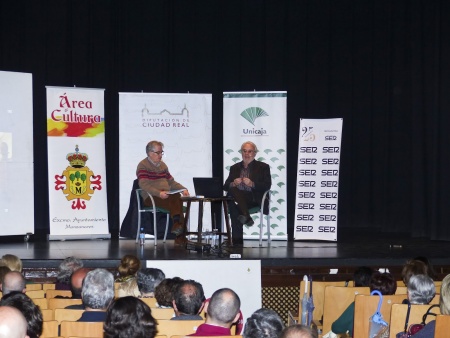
163 195
248 182
237 181
185 192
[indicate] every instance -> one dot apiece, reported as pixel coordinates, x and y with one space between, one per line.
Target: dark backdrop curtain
381 65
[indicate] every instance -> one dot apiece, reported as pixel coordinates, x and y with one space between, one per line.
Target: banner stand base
75 237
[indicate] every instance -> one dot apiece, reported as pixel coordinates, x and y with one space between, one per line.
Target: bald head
223 308
12 323
13 281
76 282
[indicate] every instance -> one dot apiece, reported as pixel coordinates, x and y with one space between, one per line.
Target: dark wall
381 65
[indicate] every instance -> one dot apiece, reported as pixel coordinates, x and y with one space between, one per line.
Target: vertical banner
16 154
259 117
181 121
76 163
316 206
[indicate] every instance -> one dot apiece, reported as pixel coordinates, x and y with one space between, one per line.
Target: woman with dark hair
30 311
263 323
128 268
129 317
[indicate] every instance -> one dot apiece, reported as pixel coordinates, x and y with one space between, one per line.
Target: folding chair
260 209
153 209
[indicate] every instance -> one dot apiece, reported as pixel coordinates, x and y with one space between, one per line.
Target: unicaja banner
182 122
259 117
316 203
76 163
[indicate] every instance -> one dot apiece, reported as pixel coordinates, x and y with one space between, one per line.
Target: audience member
97 293
430 267
421 289
188 300
129 317
147 280
12 323
222 311
129 266
263 323
13 281
362 276
76 282
3 271
165 290
12 262
30 311
383 282
444 305
413 267
67 267
299 331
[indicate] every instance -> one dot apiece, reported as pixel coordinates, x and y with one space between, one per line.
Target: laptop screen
209 187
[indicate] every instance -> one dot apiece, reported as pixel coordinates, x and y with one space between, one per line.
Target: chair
160 313
151 302
47 315
336 300
61 303
365 307
442 326
153 209
50 329
260 209
398 316
33 287
319 295
67 314
82 329
41 302
36 294
54 293
178 327
48 286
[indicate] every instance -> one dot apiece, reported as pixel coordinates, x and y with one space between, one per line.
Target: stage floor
352 249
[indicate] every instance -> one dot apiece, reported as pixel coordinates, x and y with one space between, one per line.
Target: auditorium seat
442 326
50 329
47 315
149 301
82 329
33 287
41 302
61 293
178 327
61 303
398 316
160 313
36 294
67 314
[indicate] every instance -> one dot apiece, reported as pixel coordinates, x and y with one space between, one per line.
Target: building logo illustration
78 182
253 113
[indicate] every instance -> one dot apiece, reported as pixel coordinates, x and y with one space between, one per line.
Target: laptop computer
208 187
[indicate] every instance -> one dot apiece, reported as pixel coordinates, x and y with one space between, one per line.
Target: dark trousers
175 206
243 201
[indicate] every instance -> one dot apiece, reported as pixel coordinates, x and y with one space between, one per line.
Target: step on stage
353 249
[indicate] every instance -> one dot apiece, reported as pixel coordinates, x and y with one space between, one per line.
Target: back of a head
362 276
444 300
383 282
129 265
148 279
12 323
421 289
298 331
13 281
12 262
413 267
223 307
189 297
30 311
164 292
98 289
67 267
76 281
3 271
263 323
129 317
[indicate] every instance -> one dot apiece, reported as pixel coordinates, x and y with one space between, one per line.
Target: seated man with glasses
246 183
155 179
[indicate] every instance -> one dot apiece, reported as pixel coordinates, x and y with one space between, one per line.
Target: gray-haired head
263 323
151 146
98 289
67 267
148 279
421 289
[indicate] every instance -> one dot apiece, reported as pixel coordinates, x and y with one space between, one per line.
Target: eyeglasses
158 152
245 151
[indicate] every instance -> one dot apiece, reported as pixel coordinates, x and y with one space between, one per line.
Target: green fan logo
252 113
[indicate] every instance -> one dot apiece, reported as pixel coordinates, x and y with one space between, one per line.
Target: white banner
316 203
259 117
16 154
76 163
182 122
